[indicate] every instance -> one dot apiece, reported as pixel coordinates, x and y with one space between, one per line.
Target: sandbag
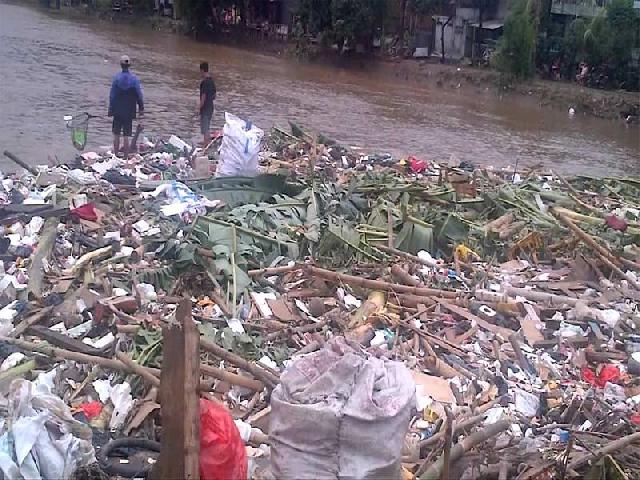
338 413
240 148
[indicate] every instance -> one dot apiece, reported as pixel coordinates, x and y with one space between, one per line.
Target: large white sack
240 148
338 413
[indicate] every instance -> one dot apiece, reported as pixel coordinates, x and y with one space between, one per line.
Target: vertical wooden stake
179 399
448 437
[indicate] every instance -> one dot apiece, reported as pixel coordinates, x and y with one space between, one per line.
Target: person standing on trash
125 94
205 106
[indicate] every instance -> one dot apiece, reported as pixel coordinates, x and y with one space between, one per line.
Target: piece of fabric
85 212
122 126
125 94
608 373
208 89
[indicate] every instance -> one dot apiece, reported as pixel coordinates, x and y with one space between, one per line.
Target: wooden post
179 399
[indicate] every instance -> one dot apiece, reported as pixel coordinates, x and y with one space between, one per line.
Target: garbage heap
358 315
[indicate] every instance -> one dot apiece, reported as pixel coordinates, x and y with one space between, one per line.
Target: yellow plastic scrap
465 254
430 415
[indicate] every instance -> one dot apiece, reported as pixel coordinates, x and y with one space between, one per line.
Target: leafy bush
515 55
343 21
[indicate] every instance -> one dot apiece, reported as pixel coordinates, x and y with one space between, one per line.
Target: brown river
52 65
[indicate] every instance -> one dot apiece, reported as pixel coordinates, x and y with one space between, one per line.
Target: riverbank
612 105
357 103
606 104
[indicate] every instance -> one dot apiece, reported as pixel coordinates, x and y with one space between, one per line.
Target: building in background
469 28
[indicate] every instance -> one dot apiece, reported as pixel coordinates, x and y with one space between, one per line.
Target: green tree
343 21
573 48
516 49
315 15
597 40
624 26
356 21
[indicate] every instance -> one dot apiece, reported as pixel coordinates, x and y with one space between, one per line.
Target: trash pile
359 316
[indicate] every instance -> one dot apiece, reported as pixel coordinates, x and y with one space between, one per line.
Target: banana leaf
453 229
342 244
414 237
236 191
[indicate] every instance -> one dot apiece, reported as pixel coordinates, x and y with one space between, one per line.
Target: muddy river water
51 65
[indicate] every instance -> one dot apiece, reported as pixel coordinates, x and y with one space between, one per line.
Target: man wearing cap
125 94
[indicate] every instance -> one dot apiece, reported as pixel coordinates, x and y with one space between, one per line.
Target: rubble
510 299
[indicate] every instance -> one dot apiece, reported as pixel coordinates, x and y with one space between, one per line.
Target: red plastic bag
608 373
222 453
616 223
91 409
416 165
85 212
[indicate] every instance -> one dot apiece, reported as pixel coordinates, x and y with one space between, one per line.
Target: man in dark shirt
207 96
125 94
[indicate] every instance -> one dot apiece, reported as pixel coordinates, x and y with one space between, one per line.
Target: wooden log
232 378
609 448
502 331
401 275
442 343
20 370
412 301
180 411
42 253
64 341
458 429
605 254
458 451
542 297
448 436
32 170
311 327
254 369
30 321
61 354
379 284
498 223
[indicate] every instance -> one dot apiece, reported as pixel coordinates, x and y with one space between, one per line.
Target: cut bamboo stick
379 284
254 369
605 255
458 451
606 450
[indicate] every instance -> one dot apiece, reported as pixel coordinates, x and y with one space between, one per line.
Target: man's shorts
122 126
205 122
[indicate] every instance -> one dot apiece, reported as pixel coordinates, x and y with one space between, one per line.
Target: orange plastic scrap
530 244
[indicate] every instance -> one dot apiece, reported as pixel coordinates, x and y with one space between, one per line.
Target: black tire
126 470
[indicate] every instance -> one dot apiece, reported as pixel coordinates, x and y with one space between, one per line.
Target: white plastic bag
240 148
40 438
